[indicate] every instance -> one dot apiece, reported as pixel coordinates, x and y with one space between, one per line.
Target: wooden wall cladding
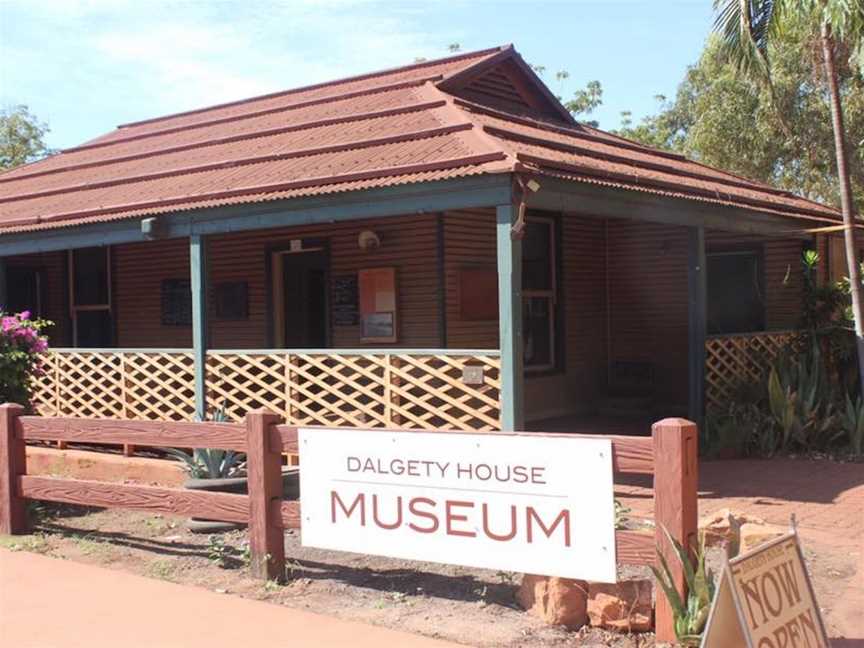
469 243
408 245
648 319
583 293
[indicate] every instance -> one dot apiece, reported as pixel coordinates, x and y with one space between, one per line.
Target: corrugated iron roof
382 129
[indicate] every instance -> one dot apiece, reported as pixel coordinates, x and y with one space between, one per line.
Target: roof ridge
252 159
227 139
254 113
477 131
315 86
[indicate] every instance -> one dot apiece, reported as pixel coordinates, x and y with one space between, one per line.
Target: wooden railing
421 389
733 359
669 455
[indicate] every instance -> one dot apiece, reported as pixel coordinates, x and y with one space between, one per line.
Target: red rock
722 529
753 535
557 601
626 606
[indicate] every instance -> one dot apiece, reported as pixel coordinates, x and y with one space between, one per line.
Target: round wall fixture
368 240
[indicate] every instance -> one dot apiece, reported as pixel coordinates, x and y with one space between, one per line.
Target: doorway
300 280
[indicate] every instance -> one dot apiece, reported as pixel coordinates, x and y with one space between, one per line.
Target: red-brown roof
434 120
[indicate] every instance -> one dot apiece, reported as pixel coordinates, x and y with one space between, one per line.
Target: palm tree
747 27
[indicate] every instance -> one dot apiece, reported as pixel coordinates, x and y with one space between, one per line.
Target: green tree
22 137
832 27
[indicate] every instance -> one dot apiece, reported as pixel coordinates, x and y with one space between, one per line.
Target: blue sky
85 66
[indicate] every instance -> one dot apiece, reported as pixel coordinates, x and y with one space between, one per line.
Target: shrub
21 345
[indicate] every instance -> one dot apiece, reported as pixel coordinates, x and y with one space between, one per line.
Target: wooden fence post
675 504
13 510
264 468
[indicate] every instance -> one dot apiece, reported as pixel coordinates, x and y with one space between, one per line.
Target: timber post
198 280
13 508
264 468
697 326
512 394
676 481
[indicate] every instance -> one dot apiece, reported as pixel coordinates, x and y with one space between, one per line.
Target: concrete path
51 603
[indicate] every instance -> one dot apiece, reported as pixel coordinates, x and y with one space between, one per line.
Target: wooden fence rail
669 454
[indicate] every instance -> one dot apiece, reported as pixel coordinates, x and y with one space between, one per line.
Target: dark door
305 284
24 291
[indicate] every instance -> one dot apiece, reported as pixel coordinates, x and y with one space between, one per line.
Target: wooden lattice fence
733 359
420 390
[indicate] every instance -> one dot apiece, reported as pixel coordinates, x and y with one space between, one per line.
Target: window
539 299
735 292
176 302
24 291
90 297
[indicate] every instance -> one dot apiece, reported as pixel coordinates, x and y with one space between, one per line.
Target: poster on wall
346 306
526 503
378 321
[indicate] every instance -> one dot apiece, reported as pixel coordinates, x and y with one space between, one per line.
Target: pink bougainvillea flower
24 315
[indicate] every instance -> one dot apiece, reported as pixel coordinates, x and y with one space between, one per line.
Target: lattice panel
428 392
90 385
44 386
338 390
159 385
729 360
241 382
361 390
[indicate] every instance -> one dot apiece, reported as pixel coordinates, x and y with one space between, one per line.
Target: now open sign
529 503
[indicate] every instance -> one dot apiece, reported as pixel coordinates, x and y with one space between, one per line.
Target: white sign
528 503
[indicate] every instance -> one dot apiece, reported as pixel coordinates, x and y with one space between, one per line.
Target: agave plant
211 463
852 422
691 615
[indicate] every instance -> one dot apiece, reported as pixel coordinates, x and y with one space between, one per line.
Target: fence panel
731 359
374 389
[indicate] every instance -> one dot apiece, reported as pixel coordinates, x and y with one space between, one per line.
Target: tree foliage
731 121
22 137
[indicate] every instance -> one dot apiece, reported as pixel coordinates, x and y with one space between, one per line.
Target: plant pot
239 486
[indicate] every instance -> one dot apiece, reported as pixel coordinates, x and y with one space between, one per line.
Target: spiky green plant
690 616
852 422
210 463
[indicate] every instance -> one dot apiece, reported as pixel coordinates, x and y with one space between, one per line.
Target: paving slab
51 603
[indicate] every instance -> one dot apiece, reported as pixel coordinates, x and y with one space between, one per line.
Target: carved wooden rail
669 454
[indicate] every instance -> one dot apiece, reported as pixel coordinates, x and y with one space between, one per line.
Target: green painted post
510 320
198 276
697 272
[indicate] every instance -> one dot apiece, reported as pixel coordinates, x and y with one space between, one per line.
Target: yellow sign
765 600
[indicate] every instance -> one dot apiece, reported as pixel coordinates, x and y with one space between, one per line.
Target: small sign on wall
525 503
378 305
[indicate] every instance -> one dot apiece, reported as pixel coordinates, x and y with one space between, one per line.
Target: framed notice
346 300
478 294
378 317
527 503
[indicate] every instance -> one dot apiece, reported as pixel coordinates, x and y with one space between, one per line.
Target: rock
557 601
625 606
753 535
722 529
